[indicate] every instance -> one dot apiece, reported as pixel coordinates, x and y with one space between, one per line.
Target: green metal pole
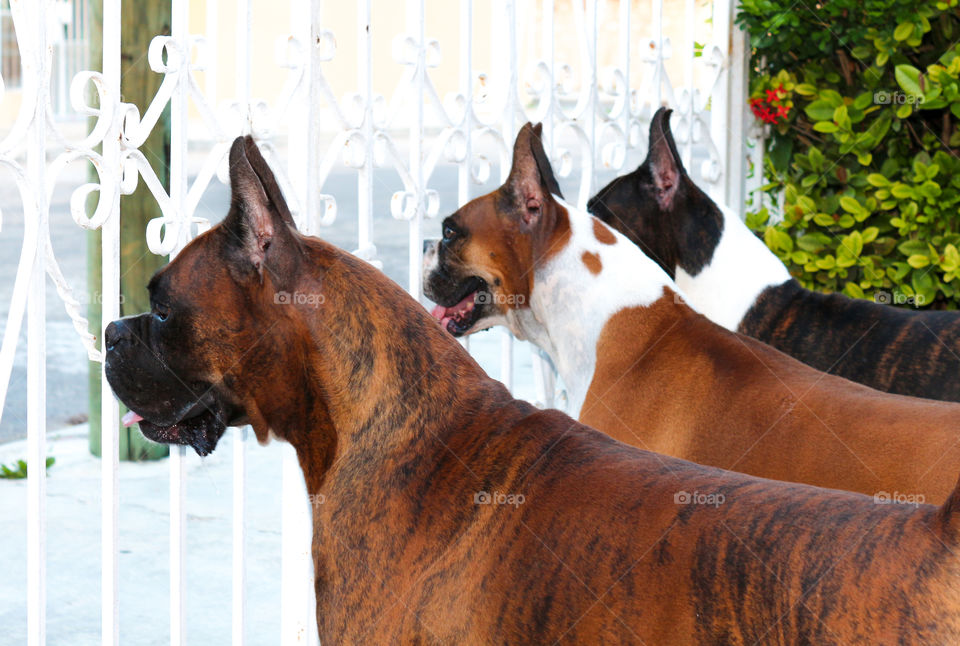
142 20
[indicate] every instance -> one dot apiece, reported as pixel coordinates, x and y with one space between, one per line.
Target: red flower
783 111
771 96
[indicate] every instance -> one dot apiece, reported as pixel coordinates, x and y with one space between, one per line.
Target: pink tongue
444 314
131 418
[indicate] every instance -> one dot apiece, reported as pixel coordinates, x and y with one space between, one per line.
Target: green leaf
903 31
876 179
816 158
911 247
929 189
951 258
863 101
901 191
827 262
832 97
853 290
811 242
918 261
756 219
819 110
850 205
825 126
842 117
908 77
854 243
824 219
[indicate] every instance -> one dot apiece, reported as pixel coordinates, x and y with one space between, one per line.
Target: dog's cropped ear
665 164
259 216
268 180
531 180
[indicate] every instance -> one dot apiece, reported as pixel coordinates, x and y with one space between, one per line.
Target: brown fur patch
760 411
592 261
602 233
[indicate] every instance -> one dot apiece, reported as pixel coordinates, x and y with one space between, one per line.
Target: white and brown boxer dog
644 367
453 513
732 277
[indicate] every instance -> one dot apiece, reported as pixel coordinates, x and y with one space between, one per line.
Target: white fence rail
592 71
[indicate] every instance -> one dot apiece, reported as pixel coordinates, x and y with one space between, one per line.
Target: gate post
137 264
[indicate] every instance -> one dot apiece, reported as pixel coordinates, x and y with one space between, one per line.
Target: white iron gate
593 71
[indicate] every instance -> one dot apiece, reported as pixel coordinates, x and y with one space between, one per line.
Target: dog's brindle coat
398 428
735 280
652 372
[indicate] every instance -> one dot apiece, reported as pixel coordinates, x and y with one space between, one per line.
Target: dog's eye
160 312
449 233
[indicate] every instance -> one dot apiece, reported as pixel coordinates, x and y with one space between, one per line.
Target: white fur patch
570 305
741 268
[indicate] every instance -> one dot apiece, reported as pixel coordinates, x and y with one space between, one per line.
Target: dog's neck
598 273
382 378
739 270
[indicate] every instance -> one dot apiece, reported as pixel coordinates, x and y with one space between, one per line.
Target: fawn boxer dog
650 371
453 513
733 278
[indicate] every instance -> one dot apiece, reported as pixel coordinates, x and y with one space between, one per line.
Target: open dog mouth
459 318
200 428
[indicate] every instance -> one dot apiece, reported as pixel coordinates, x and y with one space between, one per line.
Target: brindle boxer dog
731 276
576 539
650 371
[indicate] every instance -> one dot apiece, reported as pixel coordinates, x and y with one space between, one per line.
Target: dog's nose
115 334
428 243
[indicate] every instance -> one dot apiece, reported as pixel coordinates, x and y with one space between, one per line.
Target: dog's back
582 539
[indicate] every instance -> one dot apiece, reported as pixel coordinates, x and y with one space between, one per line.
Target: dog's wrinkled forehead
194 271
489 215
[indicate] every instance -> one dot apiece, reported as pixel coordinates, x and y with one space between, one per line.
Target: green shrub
863 103
19 470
